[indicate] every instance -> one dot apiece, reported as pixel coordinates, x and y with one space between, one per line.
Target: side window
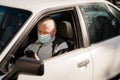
64 37
65 28
100 22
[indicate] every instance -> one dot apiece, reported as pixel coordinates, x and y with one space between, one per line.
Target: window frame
31 25
77 27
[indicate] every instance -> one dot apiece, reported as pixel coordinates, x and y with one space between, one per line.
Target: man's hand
31 54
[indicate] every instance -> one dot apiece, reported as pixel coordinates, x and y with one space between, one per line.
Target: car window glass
10 21
115 11
101 23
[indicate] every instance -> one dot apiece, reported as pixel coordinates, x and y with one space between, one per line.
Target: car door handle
83 63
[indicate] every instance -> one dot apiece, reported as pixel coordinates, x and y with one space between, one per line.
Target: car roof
37 5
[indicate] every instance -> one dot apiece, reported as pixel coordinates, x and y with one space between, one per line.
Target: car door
73 65
102 23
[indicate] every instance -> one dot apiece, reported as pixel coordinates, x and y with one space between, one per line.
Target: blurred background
114 1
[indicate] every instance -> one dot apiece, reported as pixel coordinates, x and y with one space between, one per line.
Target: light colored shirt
44 51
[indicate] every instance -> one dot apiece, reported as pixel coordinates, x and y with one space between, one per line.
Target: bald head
46 26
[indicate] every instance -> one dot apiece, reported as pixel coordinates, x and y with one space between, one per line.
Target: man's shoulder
34 45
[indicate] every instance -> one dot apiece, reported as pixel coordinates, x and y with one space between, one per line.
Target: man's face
47 27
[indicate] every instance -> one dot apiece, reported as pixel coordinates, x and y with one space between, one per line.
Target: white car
90 27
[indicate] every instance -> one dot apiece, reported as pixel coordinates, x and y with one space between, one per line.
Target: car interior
65 29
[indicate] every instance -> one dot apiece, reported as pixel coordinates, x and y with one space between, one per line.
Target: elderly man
48 44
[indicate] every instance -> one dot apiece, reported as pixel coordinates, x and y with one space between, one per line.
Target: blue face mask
44 38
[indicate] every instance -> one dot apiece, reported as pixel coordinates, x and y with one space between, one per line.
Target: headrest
65 29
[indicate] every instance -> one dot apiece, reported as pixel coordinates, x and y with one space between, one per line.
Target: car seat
65 31
106 29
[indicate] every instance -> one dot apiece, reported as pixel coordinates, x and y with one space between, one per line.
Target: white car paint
60 66
103 58
105 63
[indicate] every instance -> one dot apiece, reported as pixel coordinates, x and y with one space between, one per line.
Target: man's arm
30 51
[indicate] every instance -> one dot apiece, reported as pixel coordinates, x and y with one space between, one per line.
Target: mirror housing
29 65
26 65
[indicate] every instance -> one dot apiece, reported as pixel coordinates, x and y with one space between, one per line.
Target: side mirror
25 65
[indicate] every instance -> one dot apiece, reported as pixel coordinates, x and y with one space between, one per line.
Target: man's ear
54 32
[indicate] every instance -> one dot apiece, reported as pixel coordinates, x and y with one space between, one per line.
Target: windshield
11 20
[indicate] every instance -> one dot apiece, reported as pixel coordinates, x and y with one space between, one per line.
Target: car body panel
98 61
59 67
105 58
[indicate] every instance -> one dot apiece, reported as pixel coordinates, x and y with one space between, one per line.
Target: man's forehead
48 24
